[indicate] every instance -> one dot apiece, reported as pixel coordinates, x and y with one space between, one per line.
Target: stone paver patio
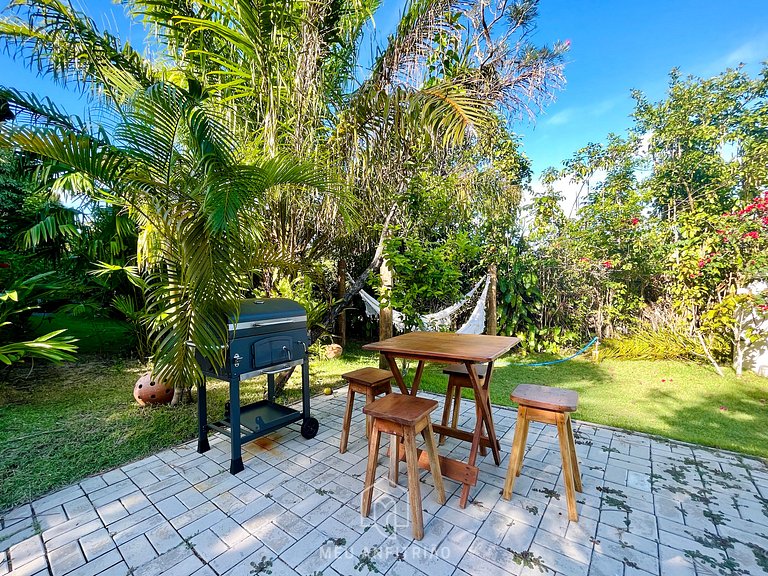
649 506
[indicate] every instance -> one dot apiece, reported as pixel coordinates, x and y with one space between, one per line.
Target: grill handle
263 323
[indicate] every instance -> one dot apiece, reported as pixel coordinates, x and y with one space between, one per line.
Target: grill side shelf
258 419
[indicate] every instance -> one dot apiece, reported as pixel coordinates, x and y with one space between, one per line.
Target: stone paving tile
649 506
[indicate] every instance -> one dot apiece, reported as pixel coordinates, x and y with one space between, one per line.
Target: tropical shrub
16 302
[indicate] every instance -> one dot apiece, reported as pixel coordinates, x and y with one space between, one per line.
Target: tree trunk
330 317
490 318
182 394
342 321
738 344
385 313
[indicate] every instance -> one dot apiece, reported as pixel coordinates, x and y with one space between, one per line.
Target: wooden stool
458 379
403 416
549 406
369 381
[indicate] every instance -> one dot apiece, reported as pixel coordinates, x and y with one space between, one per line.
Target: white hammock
442 318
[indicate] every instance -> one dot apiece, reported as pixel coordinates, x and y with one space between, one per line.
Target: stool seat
371 382
368 376
549 406
546 397
461 369
403 417
401 408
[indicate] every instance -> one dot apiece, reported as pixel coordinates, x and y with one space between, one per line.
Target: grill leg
271 387
202 419
305 386
236 458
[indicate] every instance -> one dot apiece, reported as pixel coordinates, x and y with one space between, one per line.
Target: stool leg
526 422
575 459
434 461
347 420
518 448
446 411
567 456
394 459
369 397
414 490
456 407
479 416
370 470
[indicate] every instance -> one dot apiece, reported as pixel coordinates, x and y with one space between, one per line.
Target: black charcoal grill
268 336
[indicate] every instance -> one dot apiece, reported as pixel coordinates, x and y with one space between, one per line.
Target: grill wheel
309 428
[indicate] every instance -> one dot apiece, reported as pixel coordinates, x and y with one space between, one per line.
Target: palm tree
292 74
242 84
171 164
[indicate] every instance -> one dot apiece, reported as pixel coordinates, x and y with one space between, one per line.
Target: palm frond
414 40
29 109
52 347
59 41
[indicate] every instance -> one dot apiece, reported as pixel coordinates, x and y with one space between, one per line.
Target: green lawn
62 423
688 402
104 336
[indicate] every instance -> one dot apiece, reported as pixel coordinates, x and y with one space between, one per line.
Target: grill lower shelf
259 418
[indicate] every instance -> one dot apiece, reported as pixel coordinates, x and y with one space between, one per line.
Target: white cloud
562 117
748 53
751 52
573 193
595 111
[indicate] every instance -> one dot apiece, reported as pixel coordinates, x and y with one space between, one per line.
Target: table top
445 346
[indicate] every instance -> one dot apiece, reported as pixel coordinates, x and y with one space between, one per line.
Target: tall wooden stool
403 416
458 379
369 381
549 406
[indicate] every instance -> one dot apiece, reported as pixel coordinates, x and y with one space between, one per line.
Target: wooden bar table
451 348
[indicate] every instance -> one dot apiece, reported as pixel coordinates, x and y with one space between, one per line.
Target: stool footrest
464 435
455 470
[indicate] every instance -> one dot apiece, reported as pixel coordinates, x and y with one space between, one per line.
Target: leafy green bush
13 305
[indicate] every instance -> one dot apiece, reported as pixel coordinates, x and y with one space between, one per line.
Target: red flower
702 263
608 264
635 221
753 234
5 264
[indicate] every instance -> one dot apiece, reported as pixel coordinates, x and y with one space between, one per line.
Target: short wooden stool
403 416
549 406
458 379
369 381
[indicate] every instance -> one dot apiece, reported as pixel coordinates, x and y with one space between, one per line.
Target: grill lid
265 312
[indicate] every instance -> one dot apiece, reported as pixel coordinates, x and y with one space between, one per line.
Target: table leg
490 426
398 376
482 399
417 378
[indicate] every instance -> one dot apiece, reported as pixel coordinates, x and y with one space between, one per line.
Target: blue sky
615 46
